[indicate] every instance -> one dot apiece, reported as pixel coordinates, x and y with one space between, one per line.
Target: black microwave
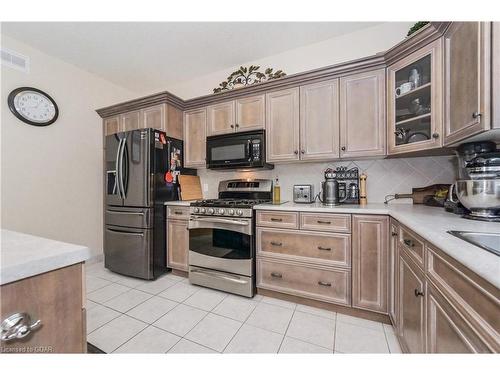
243 150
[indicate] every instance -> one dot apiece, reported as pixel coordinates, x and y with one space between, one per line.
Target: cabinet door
282 125
362 115
467 80
393 274
415 101
154 117
195 124
220 118
173 126
319 121
447 331
370 262
111 125
251 113
130 121
411 304
177 244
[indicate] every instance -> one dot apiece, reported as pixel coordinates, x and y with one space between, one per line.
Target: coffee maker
341 185
478 184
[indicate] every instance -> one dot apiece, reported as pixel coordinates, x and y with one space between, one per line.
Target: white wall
362 43
52 176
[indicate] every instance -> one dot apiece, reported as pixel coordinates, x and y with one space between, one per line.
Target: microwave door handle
249 148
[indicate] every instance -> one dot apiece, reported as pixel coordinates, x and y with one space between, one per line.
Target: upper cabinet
130 121
362 115
111 125
195 125
467 56
236 115
319 121
415 100
282 125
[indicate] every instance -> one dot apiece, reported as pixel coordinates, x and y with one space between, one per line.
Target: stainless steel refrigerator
141 173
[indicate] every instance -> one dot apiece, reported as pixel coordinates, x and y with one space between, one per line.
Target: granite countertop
431 223
178 203
23 255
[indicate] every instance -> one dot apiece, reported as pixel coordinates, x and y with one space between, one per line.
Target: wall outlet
205 188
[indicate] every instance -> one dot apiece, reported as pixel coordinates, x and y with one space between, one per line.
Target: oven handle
223 221
220 275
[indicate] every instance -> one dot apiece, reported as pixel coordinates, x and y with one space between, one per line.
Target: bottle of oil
276 191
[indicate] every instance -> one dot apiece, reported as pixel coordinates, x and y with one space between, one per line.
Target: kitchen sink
487 241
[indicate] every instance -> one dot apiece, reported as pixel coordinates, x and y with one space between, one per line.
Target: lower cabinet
393 274
370 262
177 244
411 304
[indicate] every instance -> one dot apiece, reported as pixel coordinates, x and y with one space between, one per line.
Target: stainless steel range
221 236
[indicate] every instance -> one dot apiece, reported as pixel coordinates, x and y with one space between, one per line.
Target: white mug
404 88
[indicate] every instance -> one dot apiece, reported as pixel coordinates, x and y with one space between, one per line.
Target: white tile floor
169 315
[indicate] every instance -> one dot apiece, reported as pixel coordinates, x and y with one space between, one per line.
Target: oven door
223 244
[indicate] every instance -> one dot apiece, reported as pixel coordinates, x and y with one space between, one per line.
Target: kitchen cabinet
130 121
411 304
370 262
163 117
362 115
319 121
154 117
393 274
467 56
282 125
177 244
111 125
56 298
415 101
447 330
239 115
195 125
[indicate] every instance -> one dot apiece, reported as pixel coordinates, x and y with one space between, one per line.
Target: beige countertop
23 255
431 223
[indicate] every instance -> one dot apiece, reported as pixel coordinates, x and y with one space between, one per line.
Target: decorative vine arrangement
417 27
248 76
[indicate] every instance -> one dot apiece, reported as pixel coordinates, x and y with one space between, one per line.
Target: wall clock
33 106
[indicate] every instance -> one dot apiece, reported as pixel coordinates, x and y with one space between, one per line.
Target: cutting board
190 187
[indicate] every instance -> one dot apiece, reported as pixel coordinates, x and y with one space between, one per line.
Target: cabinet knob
302 152
476 115
394 234
237 125
232 126
418 293
296 152
343 148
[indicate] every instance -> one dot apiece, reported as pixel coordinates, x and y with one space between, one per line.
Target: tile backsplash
385 176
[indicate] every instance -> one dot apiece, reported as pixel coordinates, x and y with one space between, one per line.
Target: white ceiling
147 56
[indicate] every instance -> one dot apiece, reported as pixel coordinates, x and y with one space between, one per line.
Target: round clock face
33 106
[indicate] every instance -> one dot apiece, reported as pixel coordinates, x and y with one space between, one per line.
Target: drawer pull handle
18 326
322 283
324 248
409 243
275 219
276 243
323 222
178 212
277 275
418 293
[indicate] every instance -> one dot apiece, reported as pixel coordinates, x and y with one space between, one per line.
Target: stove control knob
231 211
239 212
196 210
210 211
221 211
203 210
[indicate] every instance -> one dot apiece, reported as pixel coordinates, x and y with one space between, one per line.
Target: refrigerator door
112 152
129 217
134 169
127 251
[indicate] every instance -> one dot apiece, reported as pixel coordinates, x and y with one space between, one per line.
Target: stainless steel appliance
245 150
303 193
221 236
141 169
478 186
341 185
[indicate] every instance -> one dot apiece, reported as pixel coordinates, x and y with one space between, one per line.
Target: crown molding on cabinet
425 35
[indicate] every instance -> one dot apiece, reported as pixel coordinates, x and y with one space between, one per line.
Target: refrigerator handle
120 168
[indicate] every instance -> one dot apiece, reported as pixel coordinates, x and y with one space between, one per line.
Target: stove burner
229 202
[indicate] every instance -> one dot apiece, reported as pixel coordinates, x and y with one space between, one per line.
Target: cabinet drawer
414 246
331 248
325 222
321 283
176 212
278 219
474 298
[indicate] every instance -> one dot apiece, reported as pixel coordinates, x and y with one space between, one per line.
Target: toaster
303 193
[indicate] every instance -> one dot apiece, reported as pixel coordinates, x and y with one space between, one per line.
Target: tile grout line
286 330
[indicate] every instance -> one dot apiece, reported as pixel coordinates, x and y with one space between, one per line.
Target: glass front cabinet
415 95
